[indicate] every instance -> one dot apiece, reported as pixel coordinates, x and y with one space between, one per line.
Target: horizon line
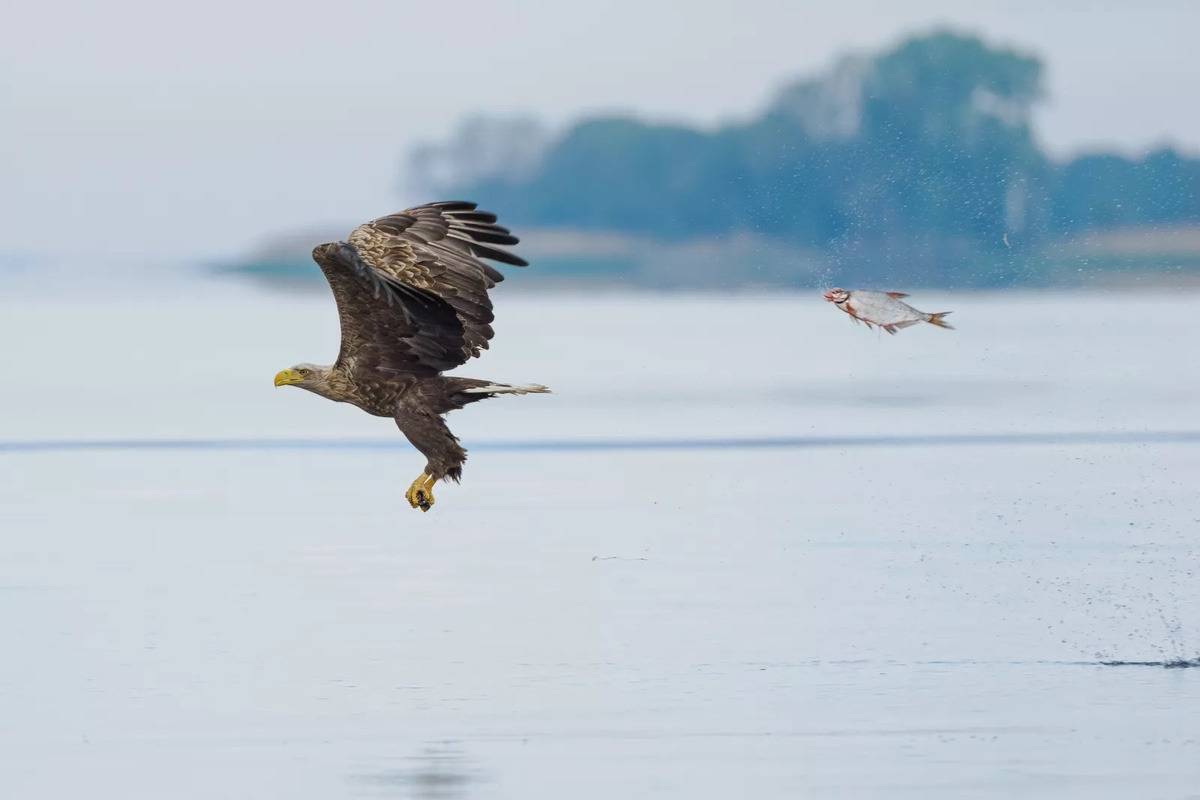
616 444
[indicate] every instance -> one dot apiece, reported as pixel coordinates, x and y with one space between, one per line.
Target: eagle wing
412 290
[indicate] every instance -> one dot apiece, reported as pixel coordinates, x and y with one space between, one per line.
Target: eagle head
306 376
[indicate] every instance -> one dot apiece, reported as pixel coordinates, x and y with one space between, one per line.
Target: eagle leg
420 493
424 427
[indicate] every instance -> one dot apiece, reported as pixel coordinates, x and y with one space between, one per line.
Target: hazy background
174 132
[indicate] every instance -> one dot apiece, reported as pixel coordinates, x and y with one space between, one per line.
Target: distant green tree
947 140
621 174
1104 191
929 143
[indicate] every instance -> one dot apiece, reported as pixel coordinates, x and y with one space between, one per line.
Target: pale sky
152 128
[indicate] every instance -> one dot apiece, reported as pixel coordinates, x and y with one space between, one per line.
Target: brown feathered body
412 298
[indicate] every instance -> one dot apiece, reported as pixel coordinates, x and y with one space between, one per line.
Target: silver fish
884 309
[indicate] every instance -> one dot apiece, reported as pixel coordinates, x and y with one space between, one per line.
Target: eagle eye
303 371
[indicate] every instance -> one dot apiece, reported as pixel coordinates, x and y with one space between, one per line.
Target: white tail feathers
504 388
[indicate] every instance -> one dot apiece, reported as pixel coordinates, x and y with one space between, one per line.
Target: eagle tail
493 389
458 392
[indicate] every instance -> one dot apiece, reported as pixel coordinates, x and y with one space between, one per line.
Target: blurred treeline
922 158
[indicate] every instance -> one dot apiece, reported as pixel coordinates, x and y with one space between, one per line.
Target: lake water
746 550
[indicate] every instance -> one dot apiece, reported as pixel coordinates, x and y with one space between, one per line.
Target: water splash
1174 663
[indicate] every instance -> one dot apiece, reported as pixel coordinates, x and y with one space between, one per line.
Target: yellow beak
287 376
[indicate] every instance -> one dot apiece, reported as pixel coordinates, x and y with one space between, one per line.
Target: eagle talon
420 493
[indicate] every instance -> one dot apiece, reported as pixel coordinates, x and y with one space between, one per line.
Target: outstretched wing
412 290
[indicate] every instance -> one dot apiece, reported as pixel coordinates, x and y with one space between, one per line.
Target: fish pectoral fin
897 295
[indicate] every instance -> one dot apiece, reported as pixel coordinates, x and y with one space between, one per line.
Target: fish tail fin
939 319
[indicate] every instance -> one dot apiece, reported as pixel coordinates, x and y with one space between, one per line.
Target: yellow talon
420 493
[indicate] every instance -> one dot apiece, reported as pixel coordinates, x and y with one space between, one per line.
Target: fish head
837 295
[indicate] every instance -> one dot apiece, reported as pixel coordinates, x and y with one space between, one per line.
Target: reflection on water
440 772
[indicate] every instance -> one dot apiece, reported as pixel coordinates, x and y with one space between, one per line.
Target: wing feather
412 289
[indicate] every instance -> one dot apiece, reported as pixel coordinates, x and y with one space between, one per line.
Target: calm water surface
908 591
